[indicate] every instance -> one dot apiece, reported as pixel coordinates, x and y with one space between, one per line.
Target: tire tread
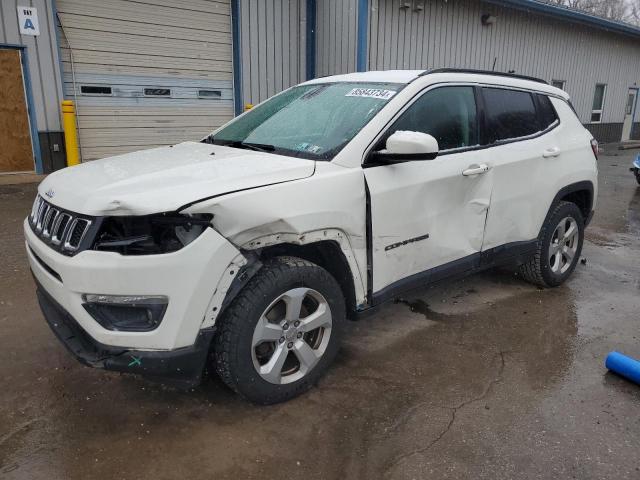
229 325
531 271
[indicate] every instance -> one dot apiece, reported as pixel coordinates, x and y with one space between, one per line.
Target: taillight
594 147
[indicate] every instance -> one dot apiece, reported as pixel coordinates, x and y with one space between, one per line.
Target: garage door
146 73
16 154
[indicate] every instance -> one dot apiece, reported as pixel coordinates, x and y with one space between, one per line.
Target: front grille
64 231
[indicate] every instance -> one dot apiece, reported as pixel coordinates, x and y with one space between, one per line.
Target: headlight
150 234
132 313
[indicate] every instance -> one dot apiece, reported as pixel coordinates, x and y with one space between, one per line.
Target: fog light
133 313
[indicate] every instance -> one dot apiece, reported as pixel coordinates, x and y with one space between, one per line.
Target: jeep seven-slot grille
60 229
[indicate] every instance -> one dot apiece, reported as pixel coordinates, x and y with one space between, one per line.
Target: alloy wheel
291 336
564 245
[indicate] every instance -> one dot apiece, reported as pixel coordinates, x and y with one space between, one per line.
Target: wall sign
28 21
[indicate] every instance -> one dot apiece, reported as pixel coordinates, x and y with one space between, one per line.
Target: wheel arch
327 254
330 249
579 193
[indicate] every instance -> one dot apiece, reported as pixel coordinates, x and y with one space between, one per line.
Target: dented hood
166 178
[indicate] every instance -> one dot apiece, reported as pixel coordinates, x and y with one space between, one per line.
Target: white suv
251 248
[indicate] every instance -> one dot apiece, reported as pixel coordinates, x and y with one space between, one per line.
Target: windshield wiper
258 147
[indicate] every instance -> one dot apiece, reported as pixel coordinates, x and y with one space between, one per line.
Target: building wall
44 73
450 34
336 36
272 38
132 46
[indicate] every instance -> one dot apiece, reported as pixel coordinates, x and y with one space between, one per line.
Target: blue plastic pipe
625 366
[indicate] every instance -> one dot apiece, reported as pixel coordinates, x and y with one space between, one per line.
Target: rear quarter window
509 114
547 114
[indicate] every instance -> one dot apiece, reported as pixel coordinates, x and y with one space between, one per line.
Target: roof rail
483 72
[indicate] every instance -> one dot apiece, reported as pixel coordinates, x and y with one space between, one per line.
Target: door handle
551 152
475 170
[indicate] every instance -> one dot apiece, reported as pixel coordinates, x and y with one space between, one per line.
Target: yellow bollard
70 132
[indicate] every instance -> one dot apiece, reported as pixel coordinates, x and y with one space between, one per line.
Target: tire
252 336
638 178
543 269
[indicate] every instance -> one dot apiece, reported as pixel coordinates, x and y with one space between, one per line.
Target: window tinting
598 97
447 113
217 94
548 114
509 114
157 92
598 102
95 90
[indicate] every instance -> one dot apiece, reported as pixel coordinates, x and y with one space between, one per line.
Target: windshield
308 121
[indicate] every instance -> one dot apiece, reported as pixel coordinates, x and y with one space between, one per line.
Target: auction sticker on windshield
371 93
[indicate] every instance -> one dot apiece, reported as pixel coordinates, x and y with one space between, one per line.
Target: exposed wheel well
328 255
582 198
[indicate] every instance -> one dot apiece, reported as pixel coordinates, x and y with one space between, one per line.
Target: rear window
548 115
509 114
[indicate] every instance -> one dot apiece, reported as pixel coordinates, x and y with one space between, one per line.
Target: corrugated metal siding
337 25
272 36
129 45
42 53
450 34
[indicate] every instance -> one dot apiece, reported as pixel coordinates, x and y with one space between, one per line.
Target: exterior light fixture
488 19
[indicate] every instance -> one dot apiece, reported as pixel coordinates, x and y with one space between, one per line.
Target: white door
525 151
428 213
629 113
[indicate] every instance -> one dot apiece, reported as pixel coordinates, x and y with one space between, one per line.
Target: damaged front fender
329 206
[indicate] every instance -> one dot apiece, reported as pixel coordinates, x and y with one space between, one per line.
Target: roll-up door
146 73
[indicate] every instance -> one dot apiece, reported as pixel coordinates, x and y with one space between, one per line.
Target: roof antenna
493 68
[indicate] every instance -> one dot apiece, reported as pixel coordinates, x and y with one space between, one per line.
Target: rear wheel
638 177
281 333
558 248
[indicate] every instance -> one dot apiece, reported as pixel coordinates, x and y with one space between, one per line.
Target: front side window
509 114
446 113
308 121
598 102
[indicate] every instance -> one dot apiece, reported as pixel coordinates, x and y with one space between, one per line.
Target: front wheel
558 248
281 332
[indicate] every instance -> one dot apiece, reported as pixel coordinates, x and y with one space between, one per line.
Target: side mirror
405 146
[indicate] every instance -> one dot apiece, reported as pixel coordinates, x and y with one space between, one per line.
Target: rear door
629 113
429 213
524 152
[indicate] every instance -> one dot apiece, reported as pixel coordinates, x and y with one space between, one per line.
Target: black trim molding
510 253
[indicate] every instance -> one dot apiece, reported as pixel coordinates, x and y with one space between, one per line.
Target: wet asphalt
485 377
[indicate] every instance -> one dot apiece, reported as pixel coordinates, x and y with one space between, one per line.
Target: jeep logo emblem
50 193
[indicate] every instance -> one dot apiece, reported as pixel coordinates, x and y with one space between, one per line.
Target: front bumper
188 278
182 367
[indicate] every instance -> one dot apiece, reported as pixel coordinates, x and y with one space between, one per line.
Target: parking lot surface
484 377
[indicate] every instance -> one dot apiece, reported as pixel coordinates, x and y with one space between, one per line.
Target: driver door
427 214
